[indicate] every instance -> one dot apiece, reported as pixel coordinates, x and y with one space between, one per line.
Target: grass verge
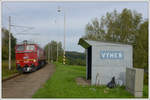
5 70
63 85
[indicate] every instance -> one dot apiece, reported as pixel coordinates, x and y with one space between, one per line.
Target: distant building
105 60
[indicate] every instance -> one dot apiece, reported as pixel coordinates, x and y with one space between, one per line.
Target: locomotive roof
28 42
23 43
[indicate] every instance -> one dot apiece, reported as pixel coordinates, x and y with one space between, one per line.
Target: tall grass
63 85
5 69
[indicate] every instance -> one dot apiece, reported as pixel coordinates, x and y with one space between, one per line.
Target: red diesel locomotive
29 57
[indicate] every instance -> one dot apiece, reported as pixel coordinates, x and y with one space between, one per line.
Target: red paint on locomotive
29 57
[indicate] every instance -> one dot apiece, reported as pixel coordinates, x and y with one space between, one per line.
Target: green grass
145 91
5 70
62 85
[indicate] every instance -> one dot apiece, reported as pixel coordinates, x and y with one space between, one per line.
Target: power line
9 28
28 33
22 26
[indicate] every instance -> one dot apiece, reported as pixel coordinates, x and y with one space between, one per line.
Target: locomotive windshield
20 48
30 47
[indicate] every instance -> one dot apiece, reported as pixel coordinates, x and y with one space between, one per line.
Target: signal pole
9 42
64 35
59 10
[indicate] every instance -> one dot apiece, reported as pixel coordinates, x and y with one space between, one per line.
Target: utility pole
57 43
57 52
9 42
64 36
9 29
51 53
59 10
48 53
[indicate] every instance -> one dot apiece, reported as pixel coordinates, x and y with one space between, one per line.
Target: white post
64 35
57 40
9 42
48 52
51 53
64 32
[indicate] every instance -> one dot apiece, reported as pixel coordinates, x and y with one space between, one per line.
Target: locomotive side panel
40 54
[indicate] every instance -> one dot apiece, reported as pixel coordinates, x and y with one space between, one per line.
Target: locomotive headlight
34 60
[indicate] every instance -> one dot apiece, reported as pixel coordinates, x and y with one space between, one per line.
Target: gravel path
25 85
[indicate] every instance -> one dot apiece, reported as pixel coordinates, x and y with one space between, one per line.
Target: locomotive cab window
30 47
20 48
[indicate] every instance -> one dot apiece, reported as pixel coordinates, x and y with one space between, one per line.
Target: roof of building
87 43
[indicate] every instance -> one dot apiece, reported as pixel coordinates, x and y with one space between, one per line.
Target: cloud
43 16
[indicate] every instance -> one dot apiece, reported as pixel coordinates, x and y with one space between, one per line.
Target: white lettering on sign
111 54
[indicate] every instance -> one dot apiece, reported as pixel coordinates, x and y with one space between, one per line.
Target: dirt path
25 85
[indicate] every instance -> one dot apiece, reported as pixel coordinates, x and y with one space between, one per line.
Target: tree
124 27
51 49
117 27
5 45
95 30
141 47
75 58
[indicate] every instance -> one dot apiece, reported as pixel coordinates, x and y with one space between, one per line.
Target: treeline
125 27
75 58
5 45
51 51
72 58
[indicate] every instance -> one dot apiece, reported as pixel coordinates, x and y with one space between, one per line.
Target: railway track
25 85
17 75
10 77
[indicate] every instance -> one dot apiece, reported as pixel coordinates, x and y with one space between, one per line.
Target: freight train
29 56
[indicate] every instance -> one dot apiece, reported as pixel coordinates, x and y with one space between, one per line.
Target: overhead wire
17 28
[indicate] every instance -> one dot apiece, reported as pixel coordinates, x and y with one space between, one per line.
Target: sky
43 23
